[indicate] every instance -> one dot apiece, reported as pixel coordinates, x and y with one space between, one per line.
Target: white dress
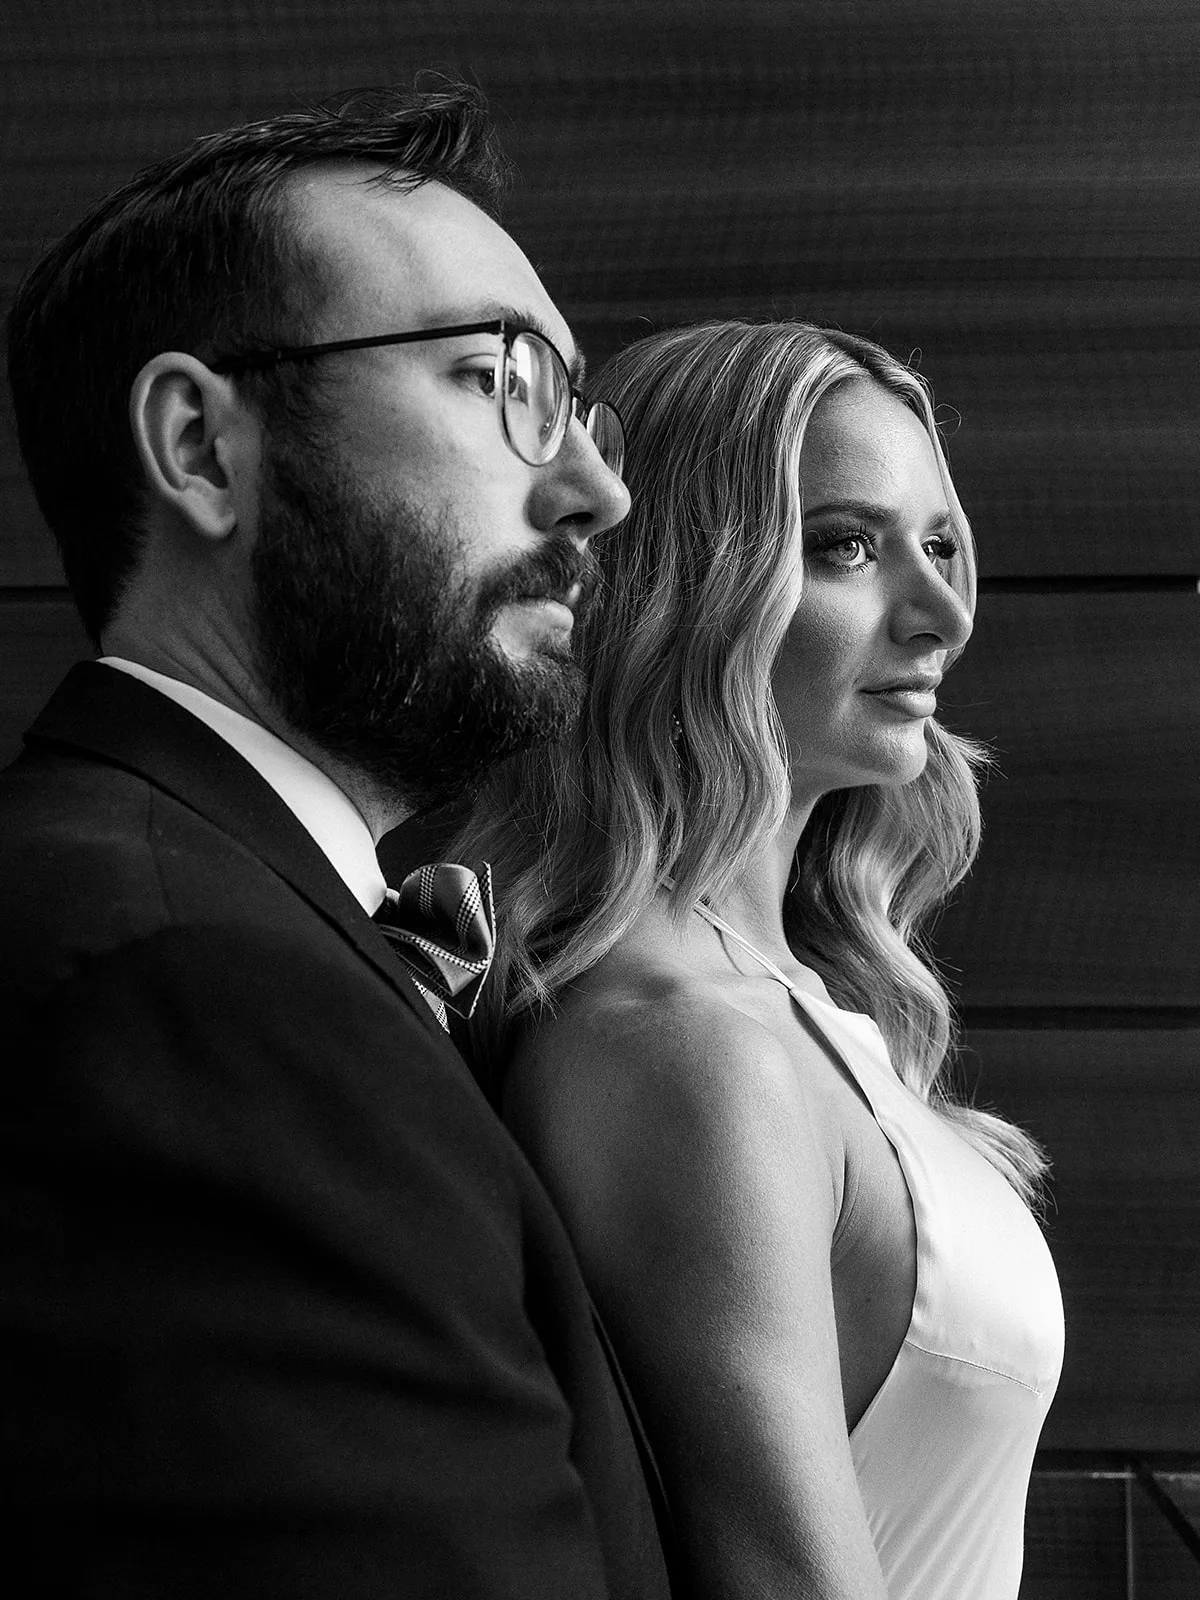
943 1452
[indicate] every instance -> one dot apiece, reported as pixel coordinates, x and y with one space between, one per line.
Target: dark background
1007 192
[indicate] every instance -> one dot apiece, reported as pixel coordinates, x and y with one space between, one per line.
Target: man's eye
518 387
484 377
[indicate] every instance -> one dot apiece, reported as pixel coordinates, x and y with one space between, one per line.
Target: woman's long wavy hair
701 583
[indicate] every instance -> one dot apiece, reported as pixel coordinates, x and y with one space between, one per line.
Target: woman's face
855 680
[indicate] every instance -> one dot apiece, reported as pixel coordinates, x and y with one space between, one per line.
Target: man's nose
578 493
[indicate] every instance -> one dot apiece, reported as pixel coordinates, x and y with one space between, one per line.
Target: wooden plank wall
1010 188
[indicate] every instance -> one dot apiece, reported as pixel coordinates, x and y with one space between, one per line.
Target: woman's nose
928 605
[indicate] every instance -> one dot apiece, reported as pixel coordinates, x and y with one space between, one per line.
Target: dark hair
196 253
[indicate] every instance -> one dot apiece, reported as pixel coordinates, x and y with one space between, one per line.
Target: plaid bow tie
442 926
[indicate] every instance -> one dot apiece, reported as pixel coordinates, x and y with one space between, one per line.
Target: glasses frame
591 415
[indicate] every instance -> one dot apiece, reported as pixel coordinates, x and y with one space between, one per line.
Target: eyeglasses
530 381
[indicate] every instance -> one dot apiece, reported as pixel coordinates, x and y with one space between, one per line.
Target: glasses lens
537 399
608 434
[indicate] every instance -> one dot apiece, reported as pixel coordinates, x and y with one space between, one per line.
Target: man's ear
196 441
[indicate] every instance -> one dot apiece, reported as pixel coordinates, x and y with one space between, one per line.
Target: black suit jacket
285 1310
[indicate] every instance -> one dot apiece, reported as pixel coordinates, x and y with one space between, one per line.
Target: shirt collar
327 812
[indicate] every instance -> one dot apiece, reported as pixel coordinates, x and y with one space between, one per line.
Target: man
285 1311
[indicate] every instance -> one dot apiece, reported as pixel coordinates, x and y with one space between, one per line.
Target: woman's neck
754 904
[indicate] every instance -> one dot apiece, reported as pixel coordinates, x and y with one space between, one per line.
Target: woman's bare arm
702 1195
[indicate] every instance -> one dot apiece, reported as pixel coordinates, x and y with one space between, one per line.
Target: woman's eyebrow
868 511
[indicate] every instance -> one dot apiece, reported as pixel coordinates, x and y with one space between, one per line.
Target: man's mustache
549 574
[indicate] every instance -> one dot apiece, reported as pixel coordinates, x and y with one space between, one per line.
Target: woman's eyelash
822 543
945 548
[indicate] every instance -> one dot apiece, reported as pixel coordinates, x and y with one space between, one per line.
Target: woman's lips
909 700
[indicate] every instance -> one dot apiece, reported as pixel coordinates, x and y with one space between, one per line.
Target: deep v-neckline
942 1450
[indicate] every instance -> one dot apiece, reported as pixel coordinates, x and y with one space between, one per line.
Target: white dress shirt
326 811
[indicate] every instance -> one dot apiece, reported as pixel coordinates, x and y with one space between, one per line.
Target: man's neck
236 687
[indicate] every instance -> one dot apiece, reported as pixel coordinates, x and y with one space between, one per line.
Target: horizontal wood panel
1012 194
1083 695
1086 903
27 552
1085 890
39 640
1118 1111
1075 1537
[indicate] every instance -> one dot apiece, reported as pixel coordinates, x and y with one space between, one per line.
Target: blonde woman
725 1049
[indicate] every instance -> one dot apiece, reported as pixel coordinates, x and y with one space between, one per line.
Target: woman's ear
196 441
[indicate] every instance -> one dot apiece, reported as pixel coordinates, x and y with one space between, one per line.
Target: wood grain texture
1008 189
1075 1538
1117 1110
1085 889
39 640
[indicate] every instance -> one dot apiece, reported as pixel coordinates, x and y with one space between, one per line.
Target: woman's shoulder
657 1013
646 1035
647 1091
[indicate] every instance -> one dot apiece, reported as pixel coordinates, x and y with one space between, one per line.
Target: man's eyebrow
530 322
867 511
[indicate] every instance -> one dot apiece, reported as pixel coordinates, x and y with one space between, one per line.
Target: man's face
415 580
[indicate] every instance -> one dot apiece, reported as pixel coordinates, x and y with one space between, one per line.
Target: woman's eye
943 549
848 551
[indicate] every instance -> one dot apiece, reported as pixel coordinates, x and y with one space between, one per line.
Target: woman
726 1050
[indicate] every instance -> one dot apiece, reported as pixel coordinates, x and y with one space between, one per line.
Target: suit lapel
114 717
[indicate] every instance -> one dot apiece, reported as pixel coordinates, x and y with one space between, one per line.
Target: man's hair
198 253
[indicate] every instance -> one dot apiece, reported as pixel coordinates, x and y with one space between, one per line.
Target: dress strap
711 917
851 1038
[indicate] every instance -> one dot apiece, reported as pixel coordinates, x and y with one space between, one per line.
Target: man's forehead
420 258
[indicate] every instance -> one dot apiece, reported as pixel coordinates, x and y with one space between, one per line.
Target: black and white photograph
600 800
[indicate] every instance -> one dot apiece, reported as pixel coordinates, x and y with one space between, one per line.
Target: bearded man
285 1311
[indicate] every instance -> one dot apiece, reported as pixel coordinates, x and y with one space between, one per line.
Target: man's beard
374 643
